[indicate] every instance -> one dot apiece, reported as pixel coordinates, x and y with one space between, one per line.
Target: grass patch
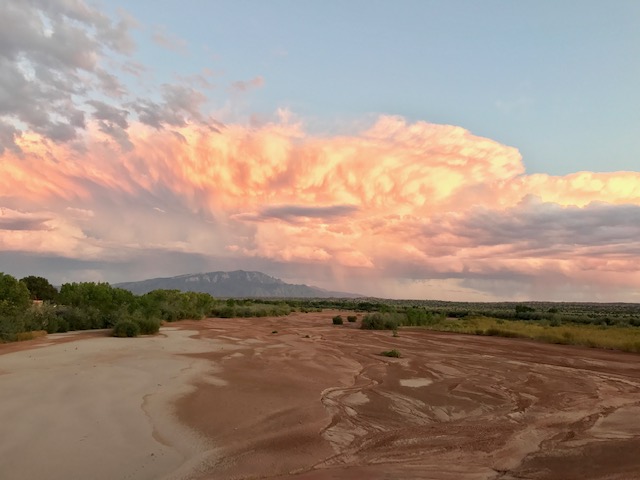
23 336
597 336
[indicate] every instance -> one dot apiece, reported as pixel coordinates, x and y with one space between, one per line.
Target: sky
454 150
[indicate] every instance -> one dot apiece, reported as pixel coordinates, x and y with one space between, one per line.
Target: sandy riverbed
230 399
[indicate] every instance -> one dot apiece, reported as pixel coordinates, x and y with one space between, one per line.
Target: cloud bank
98 176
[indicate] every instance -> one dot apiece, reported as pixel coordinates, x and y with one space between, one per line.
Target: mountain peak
234 284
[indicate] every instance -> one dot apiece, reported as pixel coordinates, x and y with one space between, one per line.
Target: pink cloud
398 200
244 86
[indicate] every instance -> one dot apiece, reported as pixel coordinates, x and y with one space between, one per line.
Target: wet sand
96 407
229 399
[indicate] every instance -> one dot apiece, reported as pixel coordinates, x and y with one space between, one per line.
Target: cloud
19 221
50 55
296 213
161 37
400 200
244 86
181 105
114 182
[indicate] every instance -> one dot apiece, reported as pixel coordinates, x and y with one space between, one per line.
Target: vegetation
126 328
40 288
147 326
391 353
32 306
602 336
232 308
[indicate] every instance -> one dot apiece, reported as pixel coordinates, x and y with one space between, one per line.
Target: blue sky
556 79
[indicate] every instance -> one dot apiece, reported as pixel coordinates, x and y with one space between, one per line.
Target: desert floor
299 398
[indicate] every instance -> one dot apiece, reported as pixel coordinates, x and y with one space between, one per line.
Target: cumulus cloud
297 213
15 220
430 203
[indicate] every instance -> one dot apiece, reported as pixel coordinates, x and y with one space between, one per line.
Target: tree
40 288
14 296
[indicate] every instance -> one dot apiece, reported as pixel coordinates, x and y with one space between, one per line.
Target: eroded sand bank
225 399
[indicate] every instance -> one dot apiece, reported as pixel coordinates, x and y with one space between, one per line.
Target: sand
229 399
99 408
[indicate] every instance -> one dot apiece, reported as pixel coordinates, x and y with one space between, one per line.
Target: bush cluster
126 328
391 353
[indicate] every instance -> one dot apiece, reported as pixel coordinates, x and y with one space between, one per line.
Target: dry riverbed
228 398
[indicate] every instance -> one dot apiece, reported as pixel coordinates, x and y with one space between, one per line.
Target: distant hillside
237 284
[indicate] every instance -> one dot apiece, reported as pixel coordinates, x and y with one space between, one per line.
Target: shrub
380 321
337 320
38 317
148 326
352 318
126 328
555 322
391 353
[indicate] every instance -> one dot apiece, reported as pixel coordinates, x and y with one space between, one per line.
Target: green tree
97 305
40 288
14 302
14 296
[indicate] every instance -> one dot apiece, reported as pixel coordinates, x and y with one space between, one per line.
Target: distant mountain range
236 284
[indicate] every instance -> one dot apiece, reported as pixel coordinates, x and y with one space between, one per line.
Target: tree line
32 304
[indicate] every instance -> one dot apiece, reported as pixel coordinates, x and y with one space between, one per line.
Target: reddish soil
316 401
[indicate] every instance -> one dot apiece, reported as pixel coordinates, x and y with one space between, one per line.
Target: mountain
237 284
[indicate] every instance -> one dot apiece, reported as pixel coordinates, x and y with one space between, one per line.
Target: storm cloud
118 184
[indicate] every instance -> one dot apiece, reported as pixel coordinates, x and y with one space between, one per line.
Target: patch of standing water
415 382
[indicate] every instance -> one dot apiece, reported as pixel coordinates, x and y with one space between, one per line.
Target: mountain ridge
233 284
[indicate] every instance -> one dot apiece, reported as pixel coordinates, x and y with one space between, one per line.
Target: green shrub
555 322
126 328
337 320
391 353
352 318
148 326
381 321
